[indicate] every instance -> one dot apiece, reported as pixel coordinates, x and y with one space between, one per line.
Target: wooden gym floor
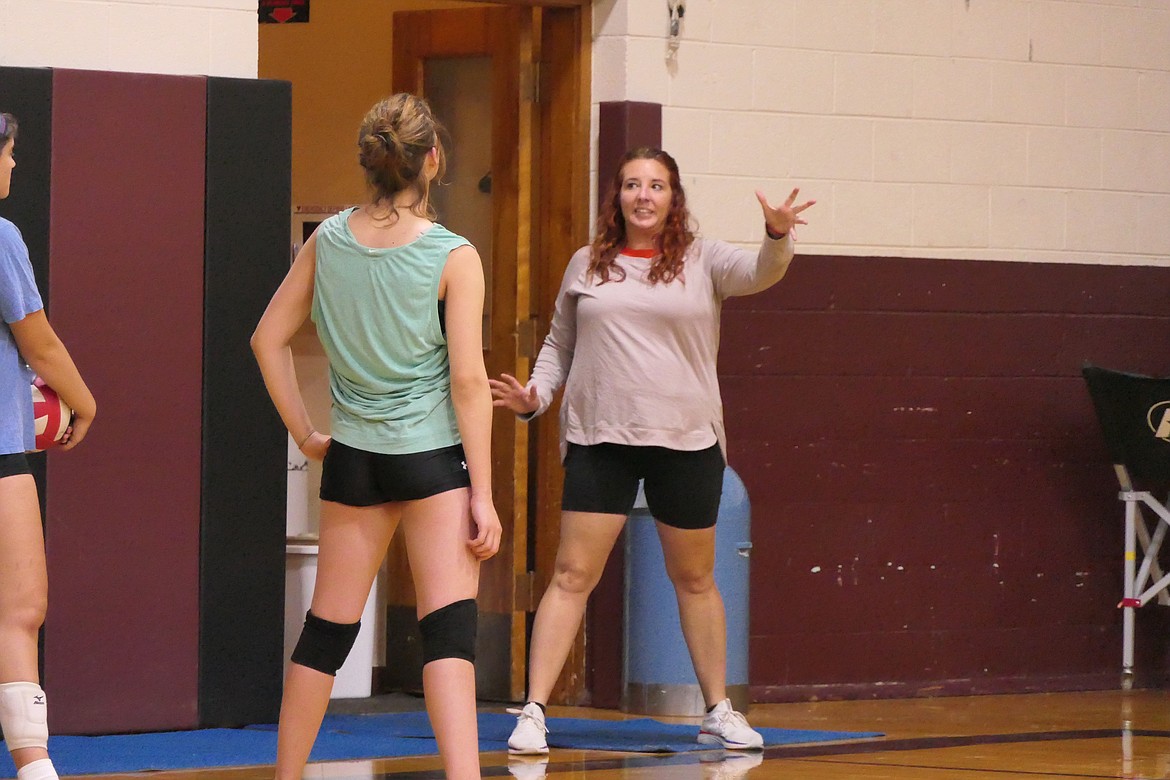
1110 734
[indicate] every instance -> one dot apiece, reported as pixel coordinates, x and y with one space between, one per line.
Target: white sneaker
528 737
724 726
528 768
732 766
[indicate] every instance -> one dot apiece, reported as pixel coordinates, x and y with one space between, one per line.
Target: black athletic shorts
16 463
358 478
682 487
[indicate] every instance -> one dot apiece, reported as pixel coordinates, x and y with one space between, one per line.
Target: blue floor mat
370 736
651 736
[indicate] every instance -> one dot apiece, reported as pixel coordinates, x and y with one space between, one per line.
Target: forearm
473 412
774 258
286 312
548 374
280 379
742 272
768 267
50 360
551 369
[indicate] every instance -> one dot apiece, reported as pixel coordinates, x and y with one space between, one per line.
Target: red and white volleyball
51 415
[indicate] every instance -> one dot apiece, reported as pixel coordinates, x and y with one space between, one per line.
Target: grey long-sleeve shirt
638 360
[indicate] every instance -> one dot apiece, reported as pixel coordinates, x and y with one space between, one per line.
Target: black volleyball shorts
682 487
14 464
358 478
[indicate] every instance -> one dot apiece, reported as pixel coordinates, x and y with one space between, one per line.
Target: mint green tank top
376 312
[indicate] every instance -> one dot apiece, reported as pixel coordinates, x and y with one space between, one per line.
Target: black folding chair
1134 412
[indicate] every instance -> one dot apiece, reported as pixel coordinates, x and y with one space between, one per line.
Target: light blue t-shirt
18 299
376 312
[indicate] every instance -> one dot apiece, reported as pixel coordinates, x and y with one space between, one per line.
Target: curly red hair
672 243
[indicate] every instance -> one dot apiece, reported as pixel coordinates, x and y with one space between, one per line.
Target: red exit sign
283 11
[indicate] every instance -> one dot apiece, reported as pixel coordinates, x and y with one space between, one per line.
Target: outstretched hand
783 218
510 394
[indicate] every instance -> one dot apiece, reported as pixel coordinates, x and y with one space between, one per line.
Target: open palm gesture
783 218
507 392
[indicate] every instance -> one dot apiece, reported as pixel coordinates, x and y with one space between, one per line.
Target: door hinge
527 339
530 82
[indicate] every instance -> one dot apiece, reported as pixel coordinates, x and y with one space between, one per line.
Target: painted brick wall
986 129
184 37
933 509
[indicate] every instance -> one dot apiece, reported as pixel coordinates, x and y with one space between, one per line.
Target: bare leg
437 529
449 690
690 564
353 544
586 541
24 588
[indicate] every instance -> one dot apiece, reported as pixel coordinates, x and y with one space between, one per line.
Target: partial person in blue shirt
398 304
28 347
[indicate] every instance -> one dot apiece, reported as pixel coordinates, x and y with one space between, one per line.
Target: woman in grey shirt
634 339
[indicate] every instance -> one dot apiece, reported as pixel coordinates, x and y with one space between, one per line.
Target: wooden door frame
549 169
562 227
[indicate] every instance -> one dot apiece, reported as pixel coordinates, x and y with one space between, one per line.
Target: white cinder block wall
991 129
185 37
1033 130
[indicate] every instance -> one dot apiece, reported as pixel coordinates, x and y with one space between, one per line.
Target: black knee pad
324 645
449 632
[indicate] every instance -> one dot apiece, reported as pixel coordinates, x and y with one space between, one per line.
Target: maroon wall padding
622 125
933 508
126 277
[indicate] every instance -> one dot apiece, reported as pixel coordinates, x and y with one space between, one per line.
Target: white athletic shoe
528 767
724 726
528 738
732 766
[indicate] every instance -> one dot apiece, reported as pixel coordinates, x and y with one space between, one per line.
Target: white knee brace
41 769
23 715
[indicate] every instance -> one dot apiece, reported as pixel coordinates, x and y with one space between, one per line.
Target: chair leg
1127 603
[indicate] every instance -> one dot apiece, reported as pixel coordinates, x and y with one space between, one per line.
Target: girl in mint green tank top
398 304
391 394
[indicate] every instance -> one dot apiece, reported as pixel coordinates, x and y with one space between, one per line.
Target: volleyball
51 415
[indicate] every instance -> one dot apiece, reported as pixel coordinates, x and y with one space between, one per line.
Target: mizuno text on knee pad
449 632
324 645
23 715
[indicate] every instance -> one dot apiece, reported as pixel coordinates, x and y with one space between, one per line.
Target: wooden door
561 226
520 72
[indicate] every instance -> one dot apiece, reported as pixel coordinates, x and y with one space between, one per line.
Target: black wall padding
249 162
27 94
